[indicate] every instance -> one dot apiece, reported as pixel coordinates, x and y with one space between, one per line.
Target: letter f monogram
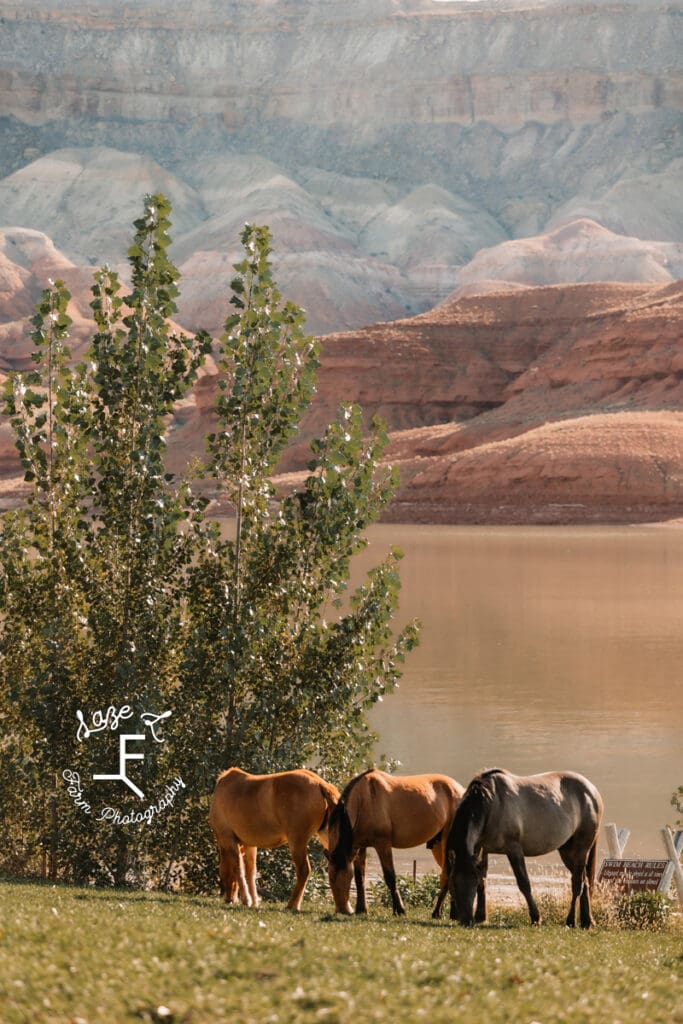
123 757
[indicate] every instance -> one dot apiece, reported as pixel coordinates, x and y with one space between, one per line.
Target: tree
93 569
250 642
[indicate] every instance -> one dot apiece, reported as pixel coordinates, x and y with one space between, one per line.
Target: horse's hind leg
232 875
302 866
359 877
387 861
516 858
228 880
587 891
249 853
576 863
241 880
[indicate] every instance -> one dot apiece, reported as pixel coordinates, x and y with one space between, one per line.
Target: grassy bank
101 956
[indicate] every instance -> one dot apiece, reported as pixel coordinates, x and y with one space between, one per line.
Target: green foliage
649 911
276 876
421 892
115 588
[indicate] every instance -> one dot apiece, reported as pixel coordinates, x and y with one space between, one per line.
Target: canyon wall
520 107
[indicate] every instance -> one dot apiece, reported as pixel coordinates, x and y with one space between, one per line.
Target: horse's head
463 849
340 857
463 882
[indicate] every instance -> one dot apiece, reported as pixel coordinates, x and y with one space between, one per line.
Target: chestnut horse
523 816
385 811
248 811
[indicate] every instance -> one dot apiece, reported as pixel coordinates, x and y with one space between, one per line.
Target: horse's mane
353 783
473 809
339 817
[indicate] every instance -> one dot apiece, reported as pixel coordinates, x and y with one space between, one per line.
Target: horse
386 811
523 816
251 811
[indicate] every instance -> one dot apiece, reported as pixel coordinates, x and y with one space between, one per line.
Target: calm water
542 649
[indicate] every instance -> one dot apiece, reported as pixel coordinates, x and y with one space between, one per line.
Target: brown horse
523 816
385 811
248 811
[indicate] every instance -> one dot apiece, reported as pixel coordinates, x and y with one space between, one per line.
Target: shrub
644 911
419 893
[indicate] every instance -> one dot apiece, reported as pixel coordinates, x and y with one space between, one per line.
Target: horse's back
265 810
566 788
405 809
542 812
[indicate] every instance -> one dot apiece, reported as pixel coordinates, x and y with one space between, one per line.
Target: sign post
642 875
673 843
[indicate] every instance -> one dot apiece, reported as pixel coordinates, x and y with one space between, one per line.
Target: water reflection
544 648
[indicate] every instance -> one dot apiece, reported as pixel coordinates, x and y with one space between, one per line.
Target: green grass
70 954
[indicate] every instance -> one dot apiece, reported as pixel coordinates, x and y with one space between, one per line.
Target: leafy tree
116 589
93 569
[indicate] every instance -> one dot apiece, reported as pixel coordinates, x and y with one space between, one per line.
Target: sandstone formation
578 251
558 404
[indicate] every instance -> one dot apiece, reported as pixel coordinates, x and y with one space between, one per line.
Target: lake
543 648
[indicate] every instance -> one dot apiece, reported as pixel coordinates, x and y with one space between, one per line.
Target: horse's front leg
443 882
386 859
359 877
516 858
480 912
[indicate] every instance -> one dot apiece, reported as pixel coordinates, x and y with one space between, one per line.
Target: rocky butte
470 176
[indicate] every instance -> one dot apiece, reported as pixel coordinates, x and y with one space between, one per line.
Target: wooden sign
633 875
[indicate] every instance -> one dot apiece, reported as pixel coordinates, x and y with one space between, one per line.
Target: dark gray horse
523 816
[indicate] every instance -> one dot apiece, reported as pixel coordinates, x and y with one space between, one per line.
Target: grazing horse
385 811
248 811
523 816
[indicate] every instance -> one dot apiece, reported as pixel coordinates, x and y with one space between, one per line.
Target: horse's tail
342 851
330 799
